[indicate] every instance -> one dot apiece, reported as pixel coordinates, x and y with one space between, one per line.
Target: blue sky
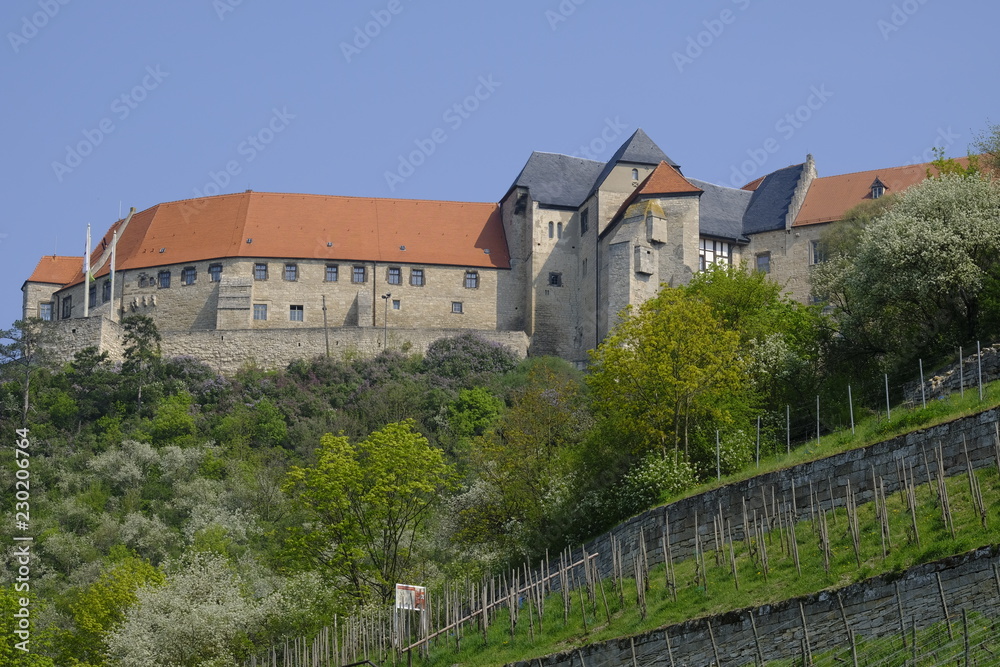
136 103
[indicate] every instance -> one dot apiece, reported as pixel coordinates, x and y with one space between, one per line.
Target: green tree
199 617
364 506
668 368
924 279
524 467
142 352
987 145
92 383
100 607
780 337
173 421
26 351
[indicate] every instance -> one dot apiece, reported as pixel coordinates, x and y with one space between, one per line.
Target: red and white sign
413 598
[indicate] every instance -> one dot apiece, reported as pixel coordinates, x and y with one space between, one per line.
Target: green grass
694 599
867 431
937 645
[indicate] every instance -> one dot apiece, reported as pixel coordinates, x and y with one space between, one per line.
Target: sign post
409 599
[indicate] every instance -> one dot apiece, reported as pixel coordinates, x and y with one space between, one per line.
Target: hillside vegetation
182 518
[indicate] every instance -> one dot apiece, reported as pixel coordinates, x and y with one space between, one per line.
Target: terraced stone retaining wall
826 479
877 607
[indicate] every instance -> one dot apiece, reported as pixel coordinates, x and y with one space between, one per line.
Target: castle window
143 281
359 275
45 311
163 279
215 272
816 254
555 279
471 280
332 271
92 296
559 230
67 307
106 291
260 311
395 276
551 229
764 262
713 252
291 272
417 277
456 307
396 304
295 313
635 174
260 271
584 221
188 275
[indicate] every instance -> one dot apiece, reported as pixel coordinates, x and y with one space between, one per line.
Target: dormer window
877 189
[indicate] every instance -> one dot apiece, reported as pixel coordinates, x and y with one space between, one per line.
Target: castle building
267 278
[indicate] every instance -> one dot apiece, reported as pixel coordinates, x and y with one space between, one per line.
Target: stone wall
71 336
871 609
950 379
228 351
791 257
791 488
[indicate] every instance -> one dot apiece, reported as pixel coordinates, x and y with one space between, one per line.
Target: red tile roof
56 270
665 180
295 226
832 196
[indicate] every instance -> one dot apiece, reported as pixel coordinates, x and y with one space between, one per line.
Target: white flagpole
114 252
86 277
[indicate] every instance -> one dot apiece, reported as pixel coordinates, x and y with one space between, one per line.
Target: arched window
559 230
550 229
635 174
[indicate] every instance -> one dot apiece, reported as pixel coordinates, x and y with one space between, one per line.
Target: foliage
781 338
524 468
26 351
200 617
946 166
651 482
142 351
987 144
916 284
364 506
467 358
668 374
100 607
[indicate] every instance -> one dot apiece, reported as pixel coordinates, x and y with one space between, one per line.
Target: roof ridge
902 166
313 194
575 157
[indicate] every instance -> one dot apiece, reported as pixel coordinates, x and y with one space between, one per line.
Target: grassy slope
694 599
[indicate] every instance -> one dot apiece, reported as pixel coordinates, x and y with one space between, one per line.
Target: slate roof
558 180
722 210
296 226
770 201
638 149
